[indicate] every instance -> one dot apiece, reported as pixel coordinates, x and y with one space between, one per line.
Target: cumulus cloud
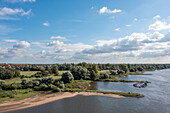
8 11
57 37
117 29
17 50
159 26
135 43
106 10
46 23
157 17
21 44
128 25
55 43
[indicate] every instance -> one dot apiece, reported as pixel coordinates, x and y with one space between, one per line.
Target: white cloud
128 25
21 44
106 10
135 19
10 40
131 46
16 51
8 11
26 13
159 25
57 37
15 1
46 23
157 17
55 43
117 29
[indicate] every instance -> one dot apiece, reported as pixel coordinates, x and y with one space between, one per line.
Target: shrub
51 87
67 77
61 86
112 72
57 89
104 75
42 87
120 72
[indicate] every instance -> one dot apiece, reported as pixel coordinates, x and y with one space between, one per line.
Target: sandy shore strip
38 100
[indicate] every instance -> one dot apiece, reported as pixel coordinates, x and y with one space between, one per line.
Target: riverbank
39 100
121 80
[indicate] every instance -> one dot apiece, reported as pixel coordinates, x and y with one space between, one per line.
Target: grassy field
17 94
28 73
10 81
104 71
61 72
126 94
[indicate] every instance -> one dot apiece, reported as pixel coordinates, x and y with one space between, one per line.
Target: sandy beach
38 100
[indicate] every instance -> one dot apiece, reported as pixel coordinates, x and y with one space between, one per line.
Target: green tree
67 77
55 70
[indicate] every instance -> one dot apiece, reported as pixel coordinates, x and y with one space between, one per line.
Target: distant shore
39 100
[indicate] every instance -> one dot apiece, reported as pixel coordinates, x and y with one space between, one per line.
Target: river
156 100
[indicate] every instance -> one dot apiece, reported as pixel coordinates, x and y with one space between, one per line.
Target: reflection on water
156 100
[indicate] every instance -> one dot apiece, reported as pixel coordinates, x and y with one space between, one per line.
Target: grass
61 72
55 77
126 94
28 73
104 71
18 95
80 84
10 81
117 80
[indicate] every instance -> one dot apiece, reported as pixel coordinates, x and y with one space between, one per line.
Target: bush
26 83
112 72
67 77
51 87
61 86
104 76
42 87
56 83
57 89
120 72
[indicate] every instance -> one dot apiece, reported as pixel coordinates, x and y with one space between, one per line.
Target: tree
93 75
80 73
124 68
67 77
104 76
112 72
55 70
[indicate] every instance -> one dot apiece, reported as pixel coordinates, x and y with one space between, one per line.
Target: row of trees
9 73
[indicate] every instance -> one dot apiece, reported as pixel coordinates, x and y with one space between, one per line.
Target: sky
94 31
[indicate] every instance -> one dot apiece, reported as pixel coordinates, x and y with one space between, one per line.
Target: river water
156 100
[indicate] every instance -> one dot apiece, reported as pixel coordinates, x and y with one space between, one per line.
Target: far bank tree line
79 71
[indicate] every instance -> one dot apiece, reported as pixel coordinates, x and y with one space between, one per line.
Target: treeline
9 73
132 67
38 84
80 71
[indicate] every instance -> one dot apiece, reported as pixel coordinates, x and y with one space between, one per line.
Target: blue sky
98 31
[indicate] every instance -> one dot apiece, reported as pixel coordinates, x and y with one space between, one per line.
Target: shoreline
39 100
